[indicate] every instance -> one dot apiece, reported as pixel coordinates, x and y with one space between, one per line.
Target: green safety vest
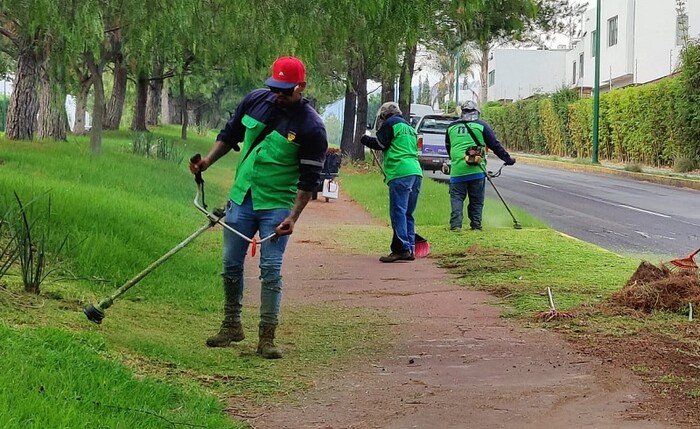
401 159
460 140
270 172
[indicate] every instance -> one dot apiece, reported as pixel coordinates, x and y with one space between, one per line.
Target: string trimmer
95 313
489 175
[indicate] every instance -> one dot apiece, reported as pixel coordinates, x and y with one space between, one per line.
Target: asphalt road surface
622 215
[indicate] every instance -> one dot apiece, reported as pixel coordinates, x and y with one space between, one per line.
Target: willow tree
28 33
63 48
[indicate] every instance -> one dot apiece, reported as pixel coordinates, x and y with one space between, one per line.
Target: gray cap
469 106
389 109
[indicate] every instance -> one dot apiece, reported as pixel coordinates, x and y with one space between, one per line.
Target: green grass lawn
146 365
516 265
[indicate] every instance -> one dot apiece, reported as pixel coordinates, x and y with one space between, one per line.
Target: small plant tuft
634 168
151 146
683 164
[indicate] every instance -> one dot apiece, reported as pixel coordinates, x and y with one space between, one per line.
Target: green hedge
653 124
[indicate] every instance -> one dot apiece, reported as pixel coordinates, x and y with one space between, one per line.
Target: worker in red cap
283 145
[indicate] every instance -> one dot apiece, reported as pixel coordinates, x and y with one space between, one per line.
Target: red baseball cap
287 72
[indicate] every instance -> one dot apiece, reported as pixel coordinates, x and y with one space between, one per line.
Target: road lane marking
644 211
537 184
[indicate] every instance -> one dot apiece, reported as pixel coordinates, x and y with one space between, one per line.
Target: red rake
684 264
553 313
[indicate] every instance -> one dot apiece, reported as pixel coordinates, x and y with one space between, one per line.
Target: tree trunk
115 106
183 109
22 110
409 61
98 107
155 88
97 115
484 75
139 122
52 120
359 75
165 103
81 107
348 133
388 89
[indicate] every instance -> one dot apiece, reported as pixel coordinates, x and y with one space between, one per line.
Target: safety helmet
470 111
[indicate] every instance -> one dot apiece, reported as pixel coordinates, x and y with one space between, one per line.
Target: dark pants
476 191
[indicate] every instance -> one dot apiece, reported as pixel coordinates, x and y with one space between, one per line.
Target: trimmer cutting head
93 313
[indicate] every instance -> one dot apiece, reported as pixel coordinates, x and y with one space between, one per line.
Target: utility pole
596 86
457 79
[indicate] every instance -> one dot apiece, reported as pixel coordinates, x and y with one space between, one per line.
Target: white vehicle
431 130
417 112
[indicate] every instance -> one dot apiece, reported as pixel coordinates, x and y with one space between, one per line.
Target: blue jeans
476 190
248 221
403 198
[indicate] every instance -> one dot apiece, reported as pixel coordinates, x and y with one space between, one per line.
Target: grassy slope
121 212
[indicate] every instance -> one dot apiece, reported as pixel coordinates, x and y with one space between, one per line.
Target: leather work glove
364 140
510 161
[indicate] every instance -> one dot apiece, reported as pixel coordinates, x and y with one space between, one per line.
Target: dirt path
453 362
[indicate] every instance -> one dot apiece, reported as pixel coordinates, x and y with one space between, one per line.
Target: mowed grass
517 265
146 366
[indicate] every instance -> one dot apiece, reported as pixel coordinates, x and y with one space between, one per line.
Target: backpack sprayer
95 313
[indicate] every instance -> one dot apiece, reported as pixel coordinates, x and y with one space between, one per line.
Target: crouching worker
283 151
465 141
402 172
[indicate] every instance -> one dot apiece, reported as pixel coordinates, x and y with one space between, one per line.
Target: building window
681 29
612 31
580 66
593 34
492 77
573 74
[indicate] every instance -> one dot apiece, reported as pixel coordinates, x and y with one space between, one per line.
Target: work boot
404 255
230 331
266 343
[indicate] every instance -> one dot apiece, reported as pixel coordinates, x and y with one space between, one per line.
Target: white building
515 74
641 41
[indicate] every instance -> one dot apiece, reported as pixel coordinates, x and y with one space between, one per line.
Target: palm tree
444 62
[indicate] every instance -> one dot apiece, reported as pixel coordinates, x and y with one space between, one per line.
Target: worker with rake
283 151
466 141
403 173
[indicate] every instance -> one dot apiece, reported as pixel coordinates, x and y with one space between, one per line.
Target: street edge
645 177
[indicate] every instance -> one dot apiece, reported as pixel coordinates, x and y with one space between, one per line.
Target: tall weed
32 238
8 246
152 146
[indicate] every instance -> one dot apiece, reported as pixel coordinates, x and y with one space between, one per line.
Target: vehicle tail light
420 143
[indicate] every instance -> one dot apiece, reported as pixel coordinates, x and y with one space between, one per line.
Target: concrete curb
584 168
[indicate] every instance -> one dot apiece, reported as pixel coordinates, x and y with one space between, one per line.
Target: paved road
622 215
